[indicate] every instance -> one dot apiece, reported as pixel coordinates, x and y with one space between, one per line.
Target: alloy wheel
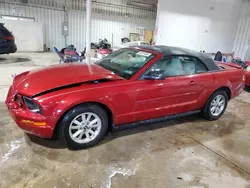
217 105
85 127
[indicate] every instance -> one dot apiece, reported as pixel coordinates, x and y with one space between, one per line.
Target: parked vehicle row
102 44
131 86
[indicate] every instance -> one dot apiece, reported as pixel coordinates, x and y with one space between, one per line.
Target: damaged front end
98 81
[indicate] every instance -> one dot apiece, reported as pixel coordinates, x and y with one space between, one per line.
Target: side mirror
154 74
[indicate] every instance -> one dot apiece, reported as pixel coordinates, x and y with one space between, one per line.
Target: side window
179 65
200 67
188 65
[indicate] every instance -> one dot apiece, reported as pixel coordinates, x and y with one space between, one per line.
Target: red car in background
247 83
248 74
132 86
246 66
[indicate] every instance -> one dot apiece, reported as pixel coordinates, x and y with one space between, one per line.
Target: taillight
8 37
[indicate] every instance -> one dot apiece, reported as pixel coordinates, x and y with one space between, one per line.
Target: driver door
173 95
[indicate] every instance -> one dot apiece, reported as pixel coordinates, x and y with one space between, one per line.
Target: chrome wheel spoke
88 117
77 122
219 98
93 122
213 109
221 108
87 135
76 127
95 125
217 110
77 133
221 103
91 132
80 135
83 118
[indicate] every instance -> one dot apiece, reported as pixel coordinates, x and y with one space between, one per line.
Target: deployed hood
38 81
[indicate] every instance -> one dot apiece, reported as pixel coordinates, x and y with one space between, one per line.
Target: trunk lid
228 65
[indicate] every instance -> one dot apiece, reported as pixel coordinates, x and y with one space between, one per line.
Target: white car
130 44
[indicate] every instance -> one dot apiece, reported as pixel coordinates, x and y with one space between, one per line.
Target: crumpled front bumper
28 121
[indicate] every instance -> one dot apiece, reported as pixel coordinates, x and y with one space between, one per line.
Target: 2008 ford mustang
81 102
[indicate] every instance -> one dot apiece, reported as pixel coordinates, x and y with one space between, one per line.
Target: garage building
124 93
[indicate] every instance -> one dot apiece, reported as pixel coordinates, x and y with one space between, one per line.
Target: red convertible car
132 86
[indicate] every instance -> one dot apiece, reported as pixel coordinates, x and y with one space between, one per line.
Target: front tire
84 126
216 105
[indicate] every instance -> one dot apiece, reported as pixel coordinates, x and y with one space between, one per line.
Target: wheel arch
226 89
206 108
103 106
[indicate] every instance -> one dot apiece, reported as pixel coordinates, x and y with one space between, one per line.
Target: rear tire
215 106
83 126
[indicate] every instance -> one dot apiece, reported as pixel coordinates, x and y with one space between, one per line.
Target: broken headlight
31 105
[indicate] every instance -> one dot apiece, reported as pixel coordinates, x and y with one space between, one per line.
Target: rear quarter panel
231 77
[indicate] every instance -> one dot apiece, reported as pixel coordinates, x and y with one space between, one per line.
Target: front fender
68 102
55 106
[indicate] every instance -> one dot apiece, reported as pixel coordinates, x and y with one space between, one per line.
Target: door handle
192 82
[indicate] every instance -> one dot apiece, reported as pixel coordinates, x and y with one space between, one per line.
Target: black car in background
7 41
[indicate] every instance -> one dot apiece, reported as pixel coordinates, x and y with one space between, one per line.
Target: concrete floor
188 152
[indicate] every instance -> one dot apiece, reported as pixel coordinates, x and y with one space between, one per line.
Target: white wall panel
51 19
242 39
103 26
110 17
199 25
26 39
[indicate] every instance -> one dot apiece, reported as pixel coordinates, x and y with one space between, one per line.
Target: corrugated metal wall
110 17
51 18
242 39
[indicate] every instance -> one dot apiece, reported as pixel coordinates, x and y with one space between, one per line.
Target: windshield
125 62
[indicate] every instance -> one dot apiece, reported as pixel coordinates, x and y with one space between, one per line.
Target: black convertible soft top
172 51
